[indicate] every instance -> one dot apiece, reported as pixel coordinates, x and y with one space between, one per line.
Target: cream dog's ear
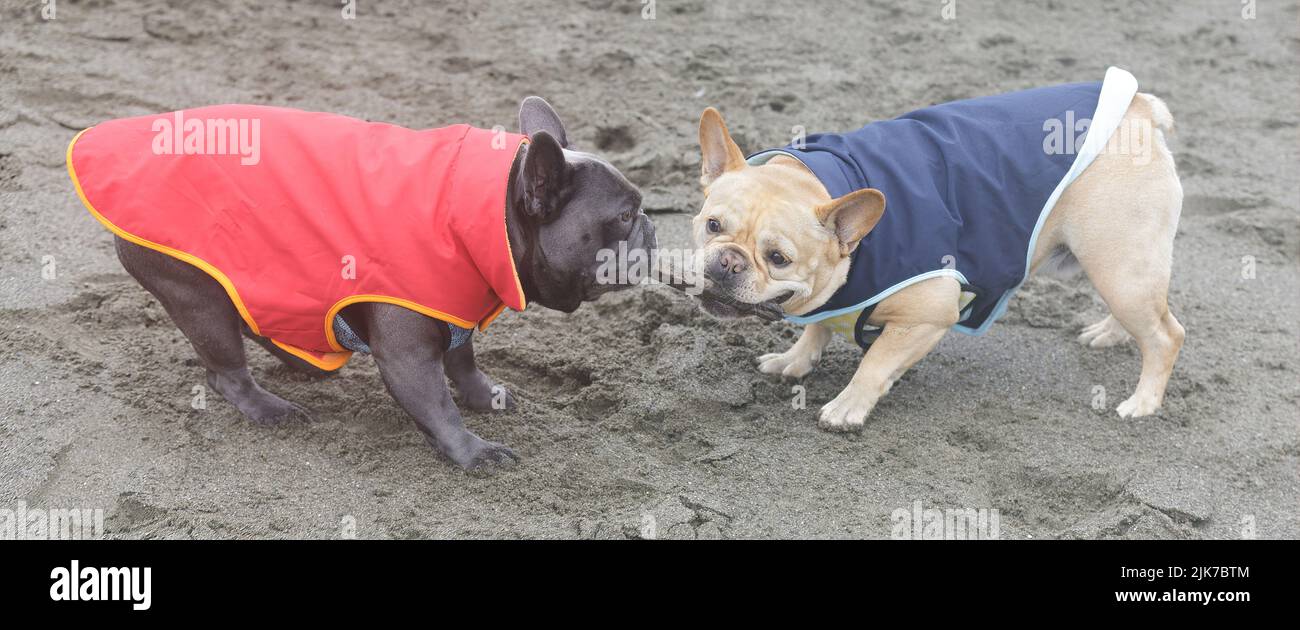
852 216
719 152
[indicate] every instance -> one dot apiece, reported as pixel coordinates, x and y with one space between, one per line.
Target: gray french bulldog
563 206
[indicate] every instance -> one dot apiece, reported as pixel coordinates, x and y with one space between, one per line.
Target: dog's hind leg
200 308
1137 300
289 360
1122 215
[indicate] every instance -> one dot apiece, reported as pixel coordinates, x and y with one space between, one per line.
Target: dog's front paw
481 457
1138 405
788 364
848 412
1104 334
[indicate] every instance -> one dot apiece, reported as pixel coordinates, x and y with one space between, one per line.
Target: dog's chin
725 309
719 309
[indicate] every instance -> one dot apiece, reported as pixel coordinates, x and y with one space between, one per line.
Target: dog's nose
732 262
727 264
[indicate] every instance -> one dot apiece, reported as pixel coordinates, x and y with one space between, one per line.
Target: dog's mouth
727 307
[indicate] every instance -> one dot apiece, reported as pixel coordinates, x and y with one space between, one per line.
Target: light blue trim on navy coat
971 180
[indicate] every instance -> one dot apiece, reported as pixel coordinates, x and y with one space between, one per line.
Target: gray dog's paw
279 412
260 406
483 458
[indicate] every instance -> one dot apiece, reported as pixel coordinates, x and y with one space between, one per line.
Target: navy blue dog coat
967 187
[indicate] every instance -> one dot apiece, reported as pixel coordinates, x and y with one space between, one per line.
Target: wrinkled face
574 210
760 240
771 232
600 211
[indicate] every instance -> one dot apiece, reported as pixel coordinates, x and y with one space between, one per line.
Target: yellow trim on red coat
407 304
496 312
330 361
505 228
174 253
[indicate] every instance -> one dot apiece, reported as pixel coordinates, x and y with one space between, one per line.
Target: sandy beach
639 415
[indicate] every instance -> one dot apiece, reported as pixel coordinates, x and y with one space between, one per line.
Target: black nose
727 265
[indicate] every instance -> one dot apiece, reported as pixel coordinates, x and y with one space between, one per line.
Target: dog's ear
545 175
535 115
718 152
852 216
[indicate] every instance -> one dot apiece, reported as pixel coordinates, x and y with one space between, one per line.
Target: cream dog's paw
1104 334
792 363
848 412
1138 405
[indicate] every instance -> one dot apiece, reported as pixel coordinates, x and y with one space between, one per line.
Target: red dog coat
299 214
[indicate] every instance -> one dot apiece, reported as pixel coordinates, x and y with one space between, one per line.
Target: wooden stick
766 311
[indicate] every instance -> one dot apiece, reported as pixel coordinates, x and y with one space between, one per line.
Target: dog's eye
714 226
778 259
626 216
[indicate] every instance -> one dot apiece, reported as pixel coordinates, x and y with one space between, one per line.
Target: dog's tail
1160 116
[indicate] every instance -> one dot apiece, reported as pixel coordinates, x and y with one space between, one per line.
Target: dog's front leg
477 391
898 348
407 347
801 358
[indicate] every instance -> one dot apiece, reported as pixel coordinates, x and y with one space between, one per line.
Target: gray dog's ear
535 115
545 175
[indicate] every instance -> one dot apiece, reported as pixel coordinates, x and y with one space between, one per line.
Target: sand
639 415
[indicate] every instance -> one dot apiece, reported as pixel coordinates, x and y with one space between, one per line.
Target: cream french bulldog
898 232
